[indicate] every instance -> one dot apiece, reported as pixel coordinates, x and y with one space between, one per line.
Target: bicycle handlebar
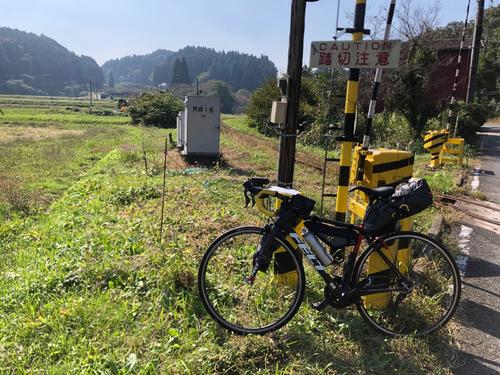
256 193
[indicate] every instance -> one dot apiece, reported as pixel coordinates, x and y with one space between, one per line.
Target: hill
38 65
240 70
135 69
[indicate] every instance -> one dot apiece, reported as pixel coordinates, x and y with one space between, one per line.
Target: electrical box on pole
278 112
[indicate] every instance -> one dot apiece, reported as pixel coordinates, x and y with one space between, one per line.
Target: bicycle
397 294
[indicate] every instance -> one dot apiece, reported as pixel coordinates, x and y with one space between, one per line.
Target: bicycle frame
344 291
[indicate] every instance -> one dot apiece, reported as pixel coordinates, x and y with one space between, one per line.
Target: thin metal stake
163 191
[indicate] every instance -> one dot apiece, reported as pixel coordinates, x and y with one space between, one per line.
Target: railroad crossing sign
356 54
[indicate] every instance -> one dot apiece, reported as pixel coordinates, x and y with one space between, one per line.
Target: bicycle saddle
379 193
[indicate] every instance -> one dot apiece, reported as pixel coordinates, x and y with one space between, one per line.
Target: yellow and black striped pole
350 116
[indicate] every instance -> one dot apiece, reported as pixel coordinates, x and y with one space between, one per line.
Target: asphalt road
479 311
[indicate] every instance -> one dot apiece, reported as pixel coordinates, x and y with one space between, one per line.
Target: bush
393 131
155 109
470 118
311 107
259 110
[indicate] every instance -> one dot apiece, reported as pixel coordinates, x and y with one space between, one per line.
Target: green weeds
85 286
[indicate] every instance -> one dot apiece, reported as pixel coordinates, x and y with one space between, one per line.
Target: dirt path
271 147
479 313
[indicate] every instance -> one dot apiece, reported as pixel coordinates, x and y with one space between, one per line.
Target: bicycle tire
215 291
434 296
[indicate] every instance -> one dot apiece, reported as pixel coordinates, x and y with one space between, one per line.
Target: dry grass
15 197
25 133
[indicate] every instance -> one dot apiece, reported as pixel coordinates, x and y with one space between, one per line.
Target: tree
259 109
184 71
38 65
410 83
223 91
488 79
312 106
111 80
180 73
413 21
155 109
240 70
160 74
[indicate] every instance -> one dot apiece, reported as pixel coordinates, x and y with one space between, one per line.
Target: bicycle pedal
318 306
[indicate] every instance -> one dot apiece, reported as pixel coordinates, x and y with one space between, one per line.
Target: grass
86 287
52 102
239 123
43 116
43 151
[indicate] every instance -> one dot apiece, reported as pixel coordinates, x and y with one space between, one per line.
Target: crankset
334 301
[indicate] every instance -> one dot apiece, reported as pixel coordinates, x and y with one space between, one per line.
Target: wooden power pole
294 71
90 96
476 46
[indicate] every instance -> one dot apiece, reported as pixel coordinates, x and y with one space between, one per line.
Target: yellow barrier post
381 167
434 141
453 151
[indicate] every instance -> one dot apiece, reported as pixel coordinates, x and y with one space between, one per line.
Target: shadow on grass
371 352
224 163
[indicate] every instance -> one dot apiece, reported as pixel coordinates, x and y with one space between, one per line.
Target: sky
112 29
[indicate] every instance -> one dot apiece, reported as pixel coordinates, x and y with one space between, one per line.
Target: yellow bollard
382 167
434 141
285 272
404 250
453 151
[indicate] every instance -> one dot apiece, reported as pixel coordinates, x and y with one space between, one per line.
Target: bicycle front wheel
263 305
426 269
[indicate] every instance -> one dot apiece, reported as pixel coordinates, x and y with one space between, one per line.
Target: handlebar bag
301 205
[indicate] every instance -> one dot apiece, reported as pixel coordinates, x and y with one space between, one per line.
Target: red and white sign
356 54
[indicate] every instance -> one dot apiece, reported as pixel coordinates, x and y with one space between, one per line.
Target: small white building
198 127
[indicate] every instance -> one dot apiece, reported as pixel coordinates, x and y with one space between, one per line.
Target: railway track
474 211
300 157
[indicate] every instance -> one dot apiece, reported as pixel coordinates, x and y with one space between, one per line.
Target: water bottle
324 257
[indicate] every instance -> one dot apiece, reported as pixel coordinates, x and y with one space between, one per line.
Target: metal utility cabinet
198 127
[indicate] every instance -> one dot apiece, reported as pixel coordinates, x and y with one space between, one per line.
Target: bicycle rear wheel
244 307
431 274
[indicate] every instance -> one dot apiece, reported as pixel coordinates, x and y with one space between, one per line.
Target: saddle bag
408 200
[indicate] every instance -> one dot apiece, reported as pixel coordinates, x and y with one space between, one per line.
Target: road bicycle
252 279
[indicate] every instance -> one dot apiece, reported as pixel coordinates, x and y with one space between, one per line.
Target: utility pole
294 71
457 74
90 96
476 45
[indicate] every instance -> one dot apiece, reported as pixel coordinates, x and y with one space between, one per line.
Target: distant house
443 73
